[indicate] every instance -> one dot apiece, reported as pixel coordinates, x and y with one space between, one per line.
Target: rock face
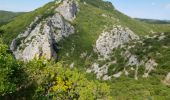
42 36
68 9
118 40
118 36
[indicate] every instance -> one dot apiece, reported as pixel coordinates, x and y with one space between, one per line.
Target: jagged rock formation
118 36
41 37
68 9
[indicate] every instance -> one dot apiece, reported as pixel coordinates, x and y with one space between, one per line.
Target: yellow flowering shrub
61 85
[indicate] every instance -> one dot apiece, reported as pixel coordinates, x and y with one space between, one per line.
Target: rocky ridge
117 39
42 36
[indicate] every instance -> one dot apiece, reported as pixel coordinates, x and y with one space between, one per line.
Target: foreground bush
40 79
11 73
57 82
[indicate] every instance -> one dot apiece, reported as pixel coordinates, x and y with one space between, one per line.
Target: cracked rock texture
118 36
68 9
41 38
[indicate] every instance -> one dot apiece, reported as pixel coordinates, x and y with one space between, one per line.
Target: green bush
61 83
11 73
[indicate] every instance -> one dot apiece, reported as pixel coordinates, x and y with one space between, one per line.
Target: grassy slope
6 16
89 24
152 87
157 25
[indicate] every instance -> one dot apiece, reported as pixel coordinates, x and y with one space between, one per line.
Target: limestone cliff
41 38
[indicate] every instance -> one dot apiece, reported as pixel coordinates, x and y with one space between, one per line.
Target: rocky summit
41 37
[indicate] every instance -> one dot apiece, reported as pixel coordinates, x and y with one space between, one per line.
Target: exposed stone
84 3
68 9
104 15
149 66
167 79
67 54
42 40
132 59
106 77
162 36
83 55
132 69
101 72
117 75
118 36
126 72
136 73
72 65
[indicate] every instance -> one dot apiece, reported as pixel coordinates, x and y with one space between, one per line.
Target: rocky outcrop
132 59
100 71
118 36
118 39
42 36
68 9
167 79
149 66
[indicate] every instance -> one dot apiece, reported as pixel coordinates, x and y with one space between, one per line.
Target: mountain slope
154 21
96 38
6 16
19 24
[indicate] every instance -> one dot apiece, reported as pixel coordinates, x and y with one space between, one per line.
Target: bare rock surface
68 9
118 36
41 38
167 79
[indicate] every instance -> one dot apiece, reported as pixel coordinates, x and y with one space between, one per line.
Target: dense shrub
57 82
11 73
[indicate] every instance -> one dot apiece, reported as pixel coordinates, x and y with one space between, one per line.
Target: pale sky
155 9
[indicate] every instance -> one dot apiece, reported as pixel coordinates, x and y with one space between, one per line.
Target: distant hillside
154 21
6 16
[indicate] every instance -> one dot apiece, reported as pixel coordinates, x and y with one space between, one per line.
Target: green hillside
93 10
7 16
20 23
55 80
154 21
